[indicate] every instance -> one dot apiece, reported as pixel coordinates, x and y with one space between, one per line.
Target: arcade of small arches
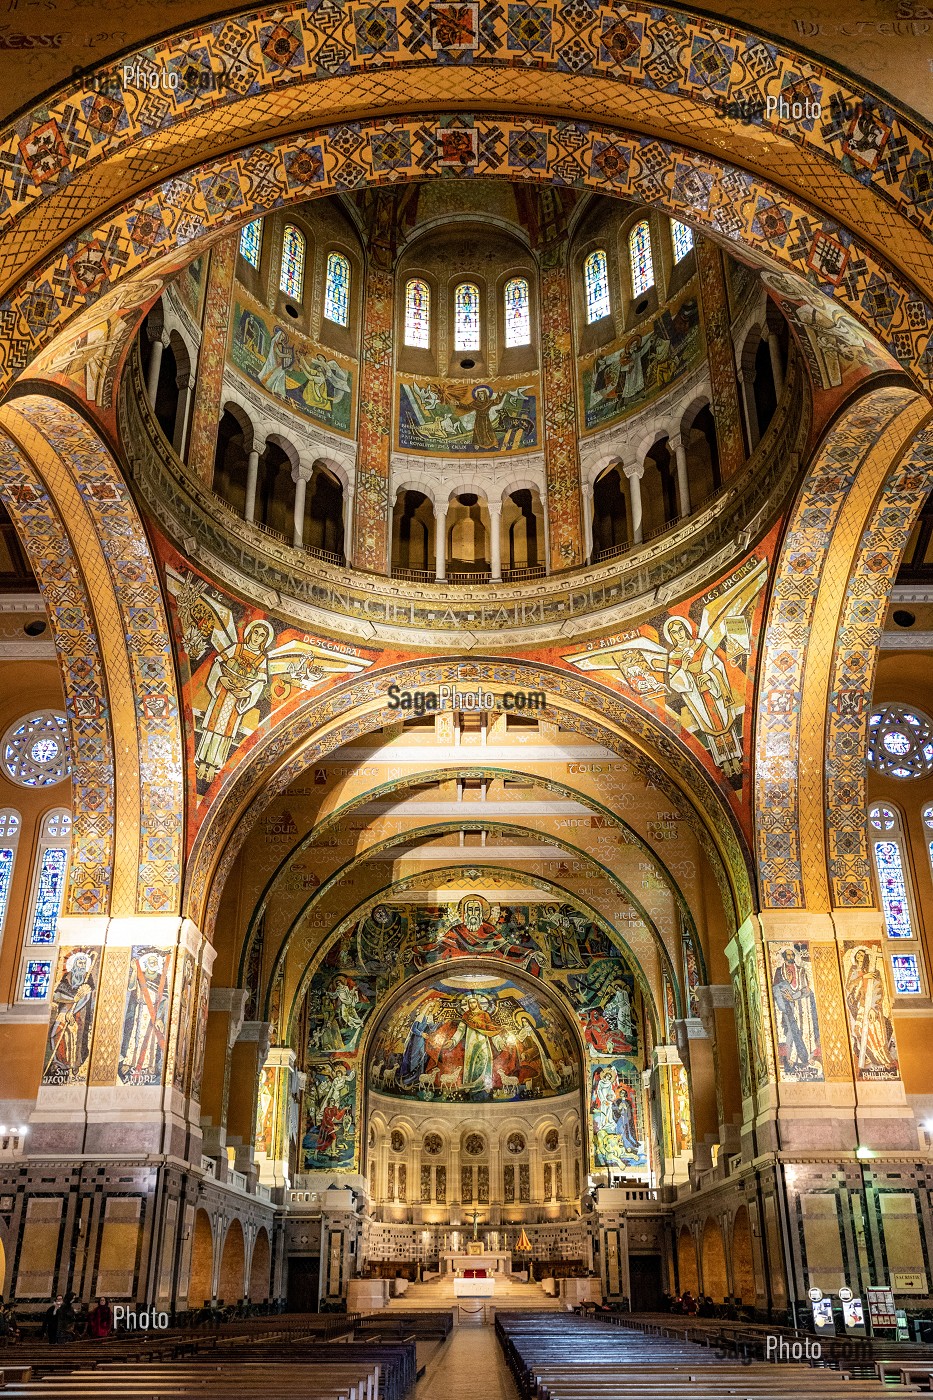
310 987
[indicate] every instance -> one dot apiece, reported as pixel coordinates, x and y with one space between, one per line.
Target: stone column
208 397
453 1185
696 1050
129 1081
301 475
724 391
252 480
227 1008
679 449
777 369
347 519
635 471
587 508
247 1057
559 420
155 365
744 382
440 543
186 383
495 540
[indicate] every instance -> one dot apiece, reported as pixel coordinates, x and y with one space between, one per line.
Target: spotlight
864 1154
928 1125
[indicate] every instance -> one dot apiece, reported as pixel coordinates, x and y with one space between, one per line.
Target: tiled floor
469 1364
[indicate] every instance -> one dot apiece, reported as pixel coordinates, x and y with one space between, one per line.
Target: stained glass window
517 312
251 242
682 237
906 974
418 314
34 752
9 836
37 975
337 290
640 260
466 317
596 286
49 891
900 742
889 865
292 275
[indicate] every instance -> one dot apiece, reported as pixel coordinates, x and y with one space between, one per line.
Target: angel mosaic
696 670
246 674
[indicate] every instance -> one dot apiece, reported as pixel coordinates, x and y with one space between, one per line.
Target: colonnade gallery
466 666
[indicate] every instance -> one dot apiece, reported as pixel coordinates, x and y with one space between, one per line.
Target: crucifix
475 1224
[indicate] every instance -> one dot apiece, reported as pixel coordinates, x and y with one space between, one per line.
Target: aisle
470 1363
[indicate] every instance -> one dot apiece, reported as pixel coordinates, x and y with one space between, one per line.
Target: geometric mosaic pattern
161 227
152 782
854 662
64 593
794 657
681 64
152 672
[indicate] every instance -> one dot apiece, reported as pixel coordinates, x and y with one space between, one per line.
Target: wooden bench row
574 1358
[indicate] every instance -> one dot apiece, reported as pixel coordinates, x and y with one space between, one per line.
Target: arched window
418 314
251 242
900 742
517 312
48 891
292 275
9 839
682 238
466 317
596 286
640 260
887 844
337 290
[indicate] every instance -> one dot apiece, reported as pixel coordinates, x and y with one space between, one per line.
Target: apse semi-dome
474 1037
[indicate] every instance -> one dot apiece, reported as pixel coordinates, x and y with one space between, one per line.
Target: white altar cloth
474 1287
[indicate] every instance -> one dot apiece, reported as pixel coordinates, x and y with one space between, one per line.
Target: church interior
466 694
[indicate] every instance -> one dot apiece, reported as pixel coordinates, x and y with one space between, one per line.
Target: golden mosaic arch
361 705
136 787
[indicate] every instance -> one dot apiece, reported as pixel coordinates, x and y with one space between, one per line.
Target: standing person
100 1319
52 1321
9 1327
66 1318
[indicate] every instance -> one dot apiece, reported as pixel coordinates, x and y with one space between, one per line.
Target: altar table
456 1261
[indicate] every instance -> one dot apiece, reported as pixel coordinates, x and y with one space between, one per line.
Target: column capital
302 472
634 470
494 507
676 442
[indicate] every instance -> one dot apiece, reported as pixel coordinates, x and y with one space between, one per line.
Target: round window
474 1144
34 750
397 1140
433 1144
900 742
551 1140
515 1143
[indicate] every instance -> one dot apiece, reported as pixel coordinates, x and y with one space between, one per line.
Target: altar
475 1287
458 1261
